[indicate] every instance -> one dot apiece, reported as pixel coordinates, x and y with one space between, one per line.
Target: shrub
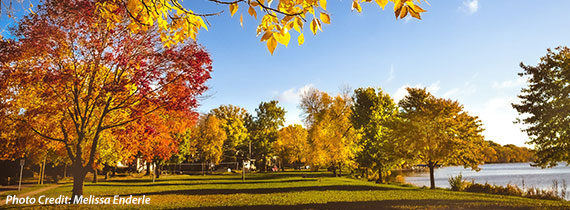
513 190
400 179
479 188
541 194
457 183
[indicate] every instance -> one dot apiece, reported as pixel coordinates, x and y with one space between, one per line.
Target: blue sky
466 50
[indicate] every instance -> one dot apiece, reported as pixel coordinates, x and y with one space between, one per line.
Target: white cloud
497 116
433 88
508 84
293 116
458 93
290 100
402 92
451 93
471 6
293 95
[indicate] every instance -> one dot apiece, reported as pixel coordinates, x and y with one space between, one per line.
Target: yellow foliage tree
440 132
291 145
209 137
331 134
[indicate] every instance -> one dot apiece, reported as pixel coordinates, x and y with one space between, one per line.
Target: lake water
497 174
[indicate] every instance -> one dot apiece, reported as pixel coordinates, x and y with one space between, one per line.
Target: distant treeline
495 153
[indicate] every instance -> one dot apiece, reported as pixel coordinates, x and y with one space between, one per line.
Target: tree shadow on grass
432 204
386 204
202 183
225 191
233 177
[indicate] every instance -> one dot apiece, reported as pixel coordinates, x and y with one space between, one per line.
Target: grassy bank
290 190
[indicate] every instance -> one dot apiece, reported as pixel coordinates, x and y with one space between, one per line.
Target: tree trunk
94 175
147 169
334 169
431 166
340 169
264 167
380 178
281 165
42 171
203 170
78 177
65 170
106 171
157 170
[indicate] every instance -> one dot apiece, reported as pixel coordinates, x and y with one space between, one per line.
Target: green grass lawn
289 190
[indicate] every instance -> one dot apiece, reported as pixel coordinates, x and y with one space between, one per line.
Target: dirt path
3 201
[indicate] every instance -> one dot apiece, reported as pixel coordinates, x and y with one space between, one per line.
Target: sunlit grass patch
291 190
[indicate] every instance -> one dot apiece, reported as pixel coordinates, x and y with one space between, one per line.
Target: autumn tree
263 130
373 112
440 132
158 136
233 121
72 79
509 153
331 134
545 106
209 137
291 145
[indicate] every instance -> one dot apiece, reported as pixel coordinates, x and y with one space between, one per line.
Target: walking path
3 201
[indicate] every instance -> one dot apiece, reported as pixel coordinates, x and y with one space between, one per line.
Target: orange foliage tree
71 79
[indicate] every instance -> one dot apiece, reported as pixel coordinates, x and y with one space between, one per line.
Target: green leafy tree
440 132
545 106
233 121
263 128
372 113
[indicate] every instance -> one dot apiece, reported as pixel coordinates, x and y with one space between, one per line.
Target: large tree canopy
545 106
72 80
440 132
291 145
331 135
233 120
263 129
372 114
209 137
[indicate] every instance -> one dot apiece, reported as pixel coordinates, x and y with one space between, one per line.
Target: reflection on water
497 174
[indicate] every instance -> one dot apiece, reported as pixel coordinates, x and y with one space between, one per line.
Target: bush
508 190
400 179
457 183
541 194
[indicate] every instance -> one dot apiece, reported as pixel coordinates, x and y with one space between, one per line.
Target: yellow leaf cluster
177 23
